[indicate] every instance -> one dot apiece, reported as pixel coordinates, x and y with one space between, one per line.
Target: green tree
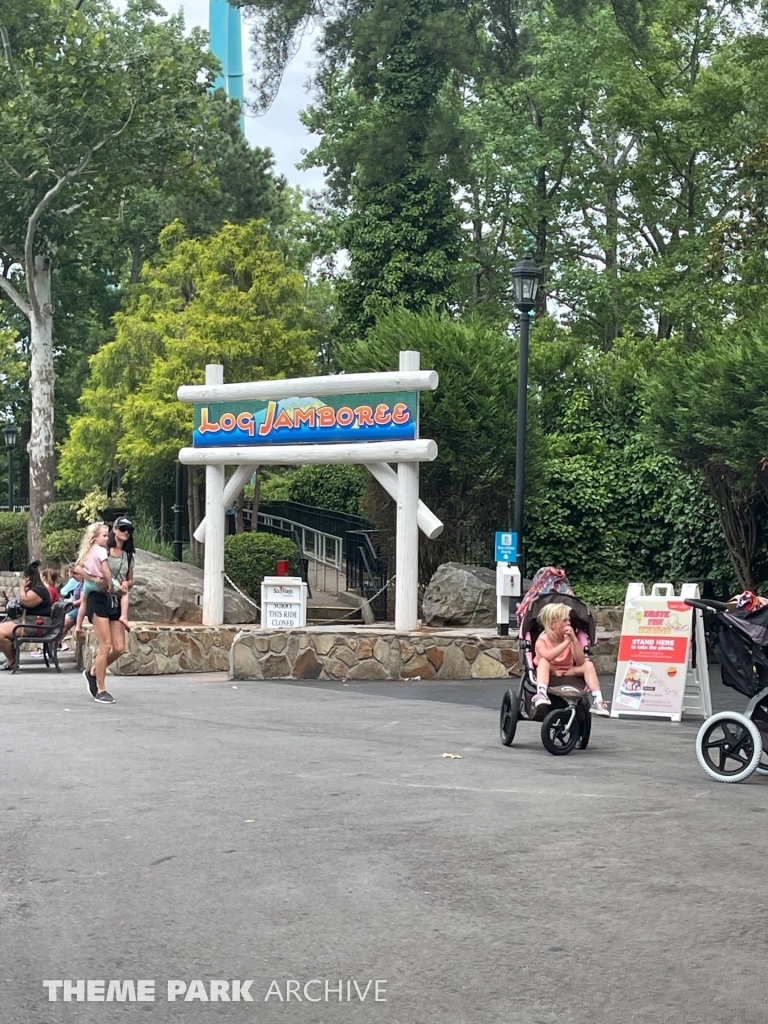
709 409
339 488
470 486
92 102
228 299
385 128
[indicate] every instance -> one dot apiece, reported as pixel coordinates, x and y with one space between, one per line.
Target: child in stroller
559 653
564 713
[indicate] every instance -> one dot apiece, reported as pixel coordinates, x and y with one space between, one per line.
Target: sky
280 128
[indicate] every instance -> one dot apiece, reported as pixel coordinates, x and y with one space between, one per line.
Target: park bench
47 634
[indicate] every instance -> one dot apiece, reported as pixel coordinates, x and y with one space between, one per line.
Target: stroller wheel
556 735
729 747
508 717
762 768
586 732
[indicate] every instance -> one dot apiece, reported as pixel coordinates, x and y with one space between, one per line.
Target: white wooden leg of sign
407 560
698 696
429 524
213 575
232 491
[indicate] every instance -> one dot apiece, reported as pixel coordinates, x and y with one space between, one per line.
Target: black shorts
97 603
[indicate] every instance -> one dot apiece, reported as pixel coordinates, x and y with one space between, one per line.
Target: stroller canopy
551 586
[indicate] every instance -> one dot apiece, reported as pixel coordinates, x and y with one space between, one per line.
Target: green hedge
62 545
249 557
13 540
60 515
339 488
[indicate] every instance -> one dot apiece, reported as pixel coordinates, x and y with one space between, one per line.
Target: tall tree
386 126
92 103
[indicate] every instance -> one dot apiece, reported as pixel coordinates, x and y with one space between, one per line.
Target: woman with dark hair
34 596
121 554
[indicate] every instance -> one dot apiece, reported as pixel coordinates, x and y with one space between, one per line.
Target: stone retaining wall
384 654
324 652
165 650
373 653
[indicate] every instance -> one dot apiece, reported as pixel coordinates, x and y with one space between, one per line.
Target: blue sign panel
506 546
337 419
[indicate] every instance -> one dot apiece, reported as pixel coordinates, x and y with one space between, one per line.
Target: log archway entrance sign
370 419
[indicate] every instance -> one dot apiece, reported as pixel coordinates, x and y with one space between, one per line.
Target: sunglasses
124 529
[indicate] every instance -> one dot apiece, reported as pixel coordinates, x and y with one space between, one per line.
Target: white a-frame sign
366 418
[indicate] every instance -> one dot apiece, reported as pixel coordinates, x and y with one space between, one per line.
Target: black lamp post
10 436
526 278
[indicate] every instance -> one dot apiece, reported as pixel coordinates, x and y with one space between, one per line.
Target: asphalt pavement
312 838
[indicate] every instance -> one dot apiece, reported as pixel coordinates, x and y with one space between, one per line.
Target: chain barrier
248 599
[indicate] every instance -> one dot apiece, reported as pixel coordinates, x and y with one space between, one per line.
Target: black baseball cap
122 523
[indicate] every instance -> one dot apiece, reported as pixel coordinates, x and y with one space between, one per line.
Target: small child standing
559 653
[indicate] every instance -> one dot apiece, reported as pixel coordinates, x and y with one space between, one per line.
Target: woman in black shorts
102 607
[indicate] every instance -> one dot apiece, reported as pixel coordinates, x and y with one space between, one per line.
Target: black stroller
566 722
731 746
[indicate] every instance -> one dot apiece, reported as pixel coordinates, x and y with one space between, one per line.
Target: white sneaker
602 708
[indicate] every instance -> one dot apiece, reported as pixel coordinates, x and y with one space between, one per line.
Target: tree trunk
41 447
163 529
196 506
255 502
612 328
193 511
736 510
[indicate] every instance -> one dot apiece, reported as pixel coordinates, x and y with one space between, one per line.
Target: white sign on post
283 602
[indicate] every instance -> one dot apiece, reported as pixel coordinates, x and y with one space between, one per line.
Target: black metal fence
367 570
366 567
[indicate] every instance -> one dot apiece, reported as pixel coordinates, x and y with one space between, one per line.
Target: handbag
14 608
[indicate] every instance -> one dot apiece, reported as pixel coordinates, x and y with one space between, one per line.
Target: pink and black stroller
566 722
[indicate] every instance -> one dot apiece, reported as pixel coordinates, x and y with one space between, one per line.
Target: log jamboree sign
369 419
375 416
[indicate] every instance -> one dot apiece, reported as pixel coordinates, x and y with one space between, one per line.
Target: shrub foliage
13 540
249 557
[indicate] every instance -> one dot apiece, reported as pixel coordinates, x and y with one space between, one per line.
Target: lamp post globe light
10 436
526 278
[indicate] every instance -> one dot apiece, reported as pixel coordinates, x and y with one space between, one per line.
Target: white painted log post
407 558
213 578
429 524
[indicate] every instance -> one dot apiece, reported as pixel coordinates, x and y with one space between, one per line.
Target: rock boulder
460 595
167 591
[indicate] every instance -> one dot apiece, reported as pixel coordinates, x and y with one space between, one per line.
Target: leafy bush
602 593
13 540
62 545
275 485
97 504
249 557
61 515
339 488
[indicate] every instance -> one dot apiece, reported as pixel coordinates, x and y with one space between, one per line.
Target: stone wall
372 653
9 582
324 652
166 650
